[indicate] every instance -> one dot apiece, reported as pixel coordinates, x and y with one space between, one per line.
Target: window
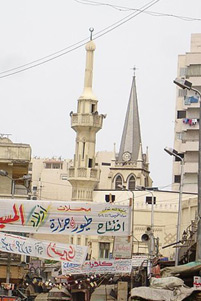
177 179
47 165
106 164
90 163
79 240
104 249
57 166
182 71
179 135
182 92
118 182
149 200
180 155
131 183
71 240
181 114
86 241
93 106
83 150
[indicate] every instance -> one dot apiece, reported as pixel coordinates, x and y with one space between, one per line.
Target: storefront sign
122 247
69 218
113 266
43 249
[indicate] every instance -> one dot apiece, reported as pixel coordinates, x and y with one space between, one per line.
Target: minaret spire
88 78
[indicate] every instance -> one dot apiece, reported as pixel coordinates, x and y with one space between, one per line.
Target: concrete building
14 183
187 121
50 178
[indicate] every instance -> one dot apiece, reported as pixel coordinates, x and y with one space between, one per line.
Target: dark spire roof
131 137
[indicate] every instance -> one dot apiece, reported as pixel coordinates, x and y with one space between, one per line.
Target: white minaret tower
84 176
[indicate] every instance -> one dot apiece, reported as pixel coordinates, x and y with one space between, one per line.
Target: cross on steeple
134 69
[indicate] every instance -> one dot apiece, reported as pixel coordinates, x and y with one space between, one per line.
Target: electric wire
77 45
124 8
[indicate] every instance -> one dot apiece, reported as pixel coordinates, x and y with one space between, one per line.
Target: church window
131 183
118 182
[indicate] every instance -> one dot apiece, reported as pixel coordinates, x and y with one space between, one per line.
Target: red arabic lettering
67 208
9 219
63 255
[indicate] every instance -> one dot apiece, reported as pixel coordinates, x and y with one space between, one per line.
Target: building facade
186 136
14 183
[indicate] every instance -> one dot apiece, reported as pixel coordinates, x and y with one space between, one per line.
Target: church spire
131 137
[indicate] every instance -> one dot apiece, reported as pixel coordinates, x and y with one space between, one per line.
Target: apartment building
186 138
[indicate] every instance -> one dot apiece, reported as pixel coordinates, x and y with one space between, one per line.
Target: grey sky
36 103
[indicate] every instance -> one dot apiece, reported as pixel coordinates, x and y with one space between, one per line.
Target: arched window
118 181
131 183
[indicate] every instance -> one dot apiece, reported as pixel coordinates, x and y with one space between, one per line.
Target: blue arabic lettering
84 226
22 248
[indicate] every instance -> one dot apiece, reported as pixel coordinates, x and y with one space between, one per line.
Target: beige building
50 178
14 183
187 121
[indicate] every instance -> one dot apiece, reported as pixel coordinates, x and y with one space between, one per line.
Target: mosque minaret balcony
88 120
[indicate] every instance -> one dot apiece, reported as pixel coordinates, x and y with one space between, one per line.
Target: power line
124 8
77 45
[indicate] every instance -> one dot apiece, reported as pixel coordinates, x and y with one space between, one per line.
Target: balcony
14 152
85 173
189 146
86 120
191 167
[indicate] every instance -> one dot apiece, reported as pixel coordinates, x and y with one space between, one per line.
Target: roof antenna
91 29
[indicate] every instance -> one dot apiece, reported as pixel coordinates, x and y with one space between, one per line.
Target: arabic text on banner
112 266
43 249
69 218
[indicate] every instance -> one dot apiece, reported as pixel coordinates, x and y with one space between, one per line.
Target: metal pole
152 210
179 211
9 254
198 247
132 232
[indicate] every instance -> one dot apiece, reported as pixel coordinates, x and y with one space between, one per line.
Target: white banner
106 266
71 218
44 249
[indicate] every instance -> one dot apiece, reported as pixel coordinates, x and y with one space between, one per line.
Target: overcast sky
35 103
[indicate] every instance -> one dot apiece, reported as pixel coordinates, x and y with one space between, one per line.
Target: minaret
84 175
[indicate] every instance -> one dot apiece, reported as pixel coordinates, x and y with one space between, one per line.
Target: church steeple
84 175
131 137
131 168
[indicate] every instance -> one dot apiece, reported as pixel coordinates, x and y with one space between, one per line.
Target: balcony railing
91 173
94 120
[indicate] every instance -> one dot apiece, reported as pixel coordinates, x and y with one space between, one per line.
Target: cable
123 8
84 40
97 35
